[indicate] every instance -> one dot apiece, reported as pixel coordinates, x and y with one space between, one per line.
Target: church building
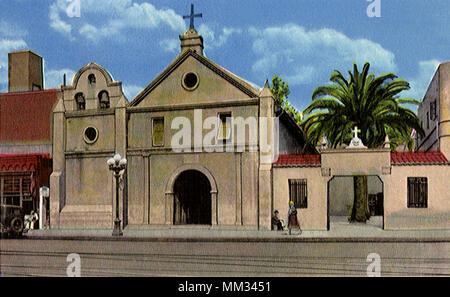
205 147
218 176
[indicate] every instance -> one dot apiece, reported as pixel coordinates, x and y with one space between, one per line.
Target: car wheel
17 225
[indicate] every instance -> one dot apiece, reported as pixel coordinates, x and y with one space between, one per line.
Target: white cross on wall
355 131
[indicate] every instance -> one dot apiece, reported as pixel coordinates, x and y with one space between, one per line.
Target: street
30 257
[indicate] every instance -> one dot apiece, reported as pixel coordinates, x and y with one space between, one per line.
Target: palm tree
368 102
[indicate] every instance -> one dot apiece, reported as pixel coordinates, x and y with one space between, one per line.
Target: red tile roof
298 160
418 158
25 117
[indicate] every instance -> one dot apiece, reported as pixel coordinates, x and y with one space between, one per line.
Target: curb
234 239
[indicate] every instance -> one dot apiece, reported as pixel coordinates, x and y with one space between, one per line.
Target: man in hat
277 224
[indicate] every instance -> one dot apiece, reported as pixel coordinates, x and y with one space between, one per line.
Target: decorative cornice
244 102
89 154
90 113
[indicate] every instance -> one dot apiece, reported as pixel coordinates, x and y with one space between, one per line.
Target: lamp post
116 165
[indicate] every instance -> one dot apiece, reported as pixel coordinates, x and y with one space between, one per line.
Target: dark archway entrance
341 193
192 199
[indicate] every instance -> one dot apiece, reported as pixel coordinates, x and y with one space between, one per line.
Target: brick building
25 132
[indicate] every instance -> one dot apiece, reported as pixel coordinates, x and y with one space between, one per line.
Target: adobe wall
314 217
435 216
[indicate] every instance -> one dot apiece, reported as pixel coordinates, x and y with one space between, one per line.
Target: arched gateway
191 196
192 199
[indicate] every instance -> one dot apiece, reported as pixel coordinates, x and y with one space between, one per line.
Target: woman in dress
292 218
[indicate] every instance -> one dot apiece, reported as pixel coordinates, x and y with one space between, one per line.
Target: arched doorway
192 199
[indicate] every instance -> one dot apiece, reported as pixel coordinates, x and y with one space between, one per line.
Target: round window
90 135
190 81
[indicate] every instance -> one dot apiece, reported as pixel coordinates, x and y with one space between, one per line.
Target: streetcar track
106 260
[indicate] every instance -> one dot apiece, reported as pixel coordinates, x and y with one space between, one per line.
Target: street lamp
116 165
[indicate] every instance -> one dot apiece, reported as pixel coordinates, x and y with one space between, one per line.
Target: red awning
20 163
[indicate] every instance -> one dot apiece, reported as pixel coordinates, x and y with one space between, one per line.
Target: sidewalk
340 231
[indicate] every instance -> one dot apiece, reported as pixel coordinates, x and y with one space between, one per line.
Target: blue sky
302 41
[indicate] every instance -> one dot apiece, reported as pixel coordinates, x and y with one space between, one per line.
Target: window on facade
428 120
103 98
417 192
298 192
14 189
158 131
80 101
91 79
224 132
433 113
190 81
90 135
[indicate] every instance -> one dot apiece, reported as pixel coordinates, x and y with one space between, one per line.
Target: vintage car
11 220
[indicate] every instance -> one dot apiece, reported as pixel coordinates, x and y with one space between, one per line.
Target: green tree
280 91
368 102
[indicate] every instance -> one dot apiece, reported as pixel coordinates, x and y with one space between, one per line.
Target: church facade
213 175
205 147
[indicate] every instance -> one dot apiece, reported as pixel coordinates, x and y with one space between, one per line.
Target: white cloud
54 78
301 75
55 19
9 30
419 83
212 40
102 19
306 56
170 45
131 91
96 35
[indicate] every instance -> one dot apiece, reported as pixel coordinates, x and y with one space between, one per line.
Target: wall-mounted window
158 131
190 81
224 131
298 193
91 79
103 99
428 120
16 189
90 135
417 192
80 101
433 112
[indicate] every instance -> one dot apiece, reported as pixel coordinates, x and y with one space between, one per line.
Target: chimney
25 72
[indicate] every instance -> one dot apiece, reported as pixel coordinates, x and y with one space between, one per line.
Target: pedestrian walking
292 218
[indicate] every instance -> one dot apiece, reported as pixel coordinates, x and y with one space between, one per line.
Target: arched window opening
91 79
81 102
103 98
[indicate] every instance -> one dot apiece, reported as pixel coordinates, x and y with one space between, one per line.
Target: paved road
125 258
